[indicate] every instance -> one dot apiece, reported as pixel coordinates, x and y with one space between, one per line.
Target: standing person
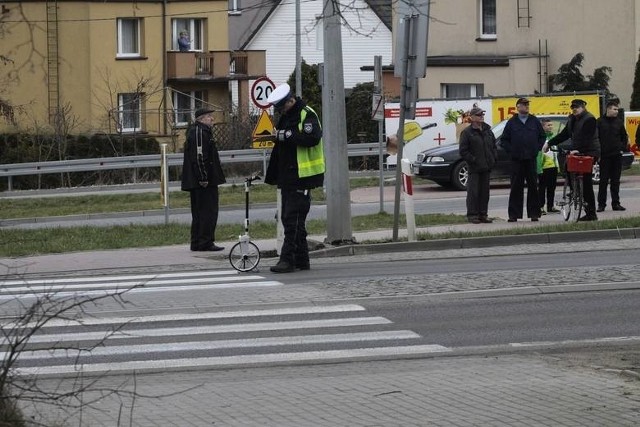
201 175
184 44
296 166
613 141
478 149
547 172
522 139
582 129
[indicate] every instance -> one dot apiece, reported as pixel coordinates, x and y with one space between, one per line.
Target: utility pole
298 52
334 130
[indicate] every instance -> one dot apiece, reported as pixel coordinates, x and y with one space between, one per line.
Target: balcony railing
216 65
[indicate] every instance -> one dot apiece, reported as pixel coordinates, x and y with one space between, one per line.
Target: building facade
506 47
116 66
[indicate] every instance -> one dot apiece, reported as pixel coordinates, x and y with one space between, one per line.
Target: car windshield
499 128
558 123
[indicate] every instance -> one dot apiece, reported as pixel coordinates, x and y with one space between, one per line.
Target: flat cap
202 111
476 111
578 103
279 95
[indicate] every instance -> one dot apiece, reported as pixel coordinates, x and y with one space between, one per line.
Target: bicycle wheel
566 202
244 256
576 209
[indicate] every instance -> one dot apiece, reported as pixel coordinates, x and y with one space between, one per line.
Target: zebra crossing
213 339
133 284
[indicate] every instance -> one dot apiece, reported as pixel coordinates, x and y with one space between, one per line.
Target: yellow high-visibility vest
310 159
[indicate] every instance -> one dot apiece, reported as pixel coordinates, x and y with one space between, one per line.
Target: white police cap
279 94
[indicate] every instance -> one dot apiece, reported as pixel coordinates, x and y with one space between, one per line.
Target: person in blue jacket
522 138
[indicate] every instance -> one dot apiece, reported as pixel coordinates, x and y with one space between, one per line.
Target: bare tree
20 323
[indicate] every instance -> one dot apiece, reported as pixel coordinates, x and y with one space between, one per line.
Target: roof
381 8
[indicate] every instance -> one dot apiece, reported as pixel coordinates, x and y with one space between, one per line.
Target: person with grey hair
201 175
184 44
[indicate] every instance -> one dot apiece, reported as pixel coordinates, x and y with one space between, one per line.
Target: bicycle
572 203
245 256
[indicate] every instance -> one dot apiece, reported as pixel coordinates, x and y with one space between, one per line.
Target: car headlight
435 159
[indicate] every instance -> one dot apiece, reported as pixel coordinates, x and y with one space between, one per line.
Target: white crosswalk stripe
215 339
102 285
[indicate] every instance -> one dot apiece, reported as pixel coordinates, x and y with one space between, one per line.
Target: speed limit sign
260 91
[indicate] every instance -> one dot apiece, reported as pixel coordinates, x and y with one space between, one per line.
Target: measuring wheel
244 256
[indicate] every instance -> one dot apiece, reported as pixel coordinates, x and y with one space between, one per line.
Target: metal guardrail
151 161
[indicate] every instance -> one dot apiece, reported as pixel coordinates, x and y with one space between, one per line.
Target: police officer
296 166
201 175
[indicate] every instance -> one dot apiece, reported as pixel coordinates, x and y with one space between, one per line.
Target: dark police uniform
296 166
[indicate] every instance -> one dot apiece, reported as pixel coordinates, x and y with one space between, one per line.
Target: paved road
428 198
477 387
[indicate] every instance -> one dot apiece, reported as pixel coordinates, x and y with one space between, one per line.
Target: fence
151 161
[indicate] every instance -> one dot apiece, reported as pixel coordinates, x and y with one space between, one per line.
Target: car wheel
460 175
596 173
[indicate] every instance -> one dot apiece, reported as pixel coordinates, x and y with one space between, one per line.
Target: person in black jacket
613 141
296 166
478 149
581 128
522 138
201 175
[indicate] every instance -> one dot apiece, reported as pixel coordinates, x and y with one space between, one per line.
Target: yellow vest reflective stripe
310 159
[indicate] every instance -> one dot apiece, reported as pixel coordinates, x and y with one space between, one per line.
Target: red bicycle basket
579 164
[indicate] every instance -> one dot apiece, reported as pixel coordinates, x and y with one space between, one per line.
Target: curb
479 242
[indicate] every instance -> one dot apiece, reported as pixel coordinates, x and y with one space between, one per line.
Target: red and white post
407 187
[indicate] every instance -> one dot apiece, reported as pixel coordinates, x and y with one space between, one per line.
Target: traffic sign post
263 133
260 90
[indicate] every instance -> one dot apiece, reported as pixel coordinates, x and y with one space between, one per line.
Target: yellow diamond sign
263 133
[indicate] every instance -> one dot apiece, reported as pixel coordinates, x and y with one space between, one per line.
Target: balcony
216 65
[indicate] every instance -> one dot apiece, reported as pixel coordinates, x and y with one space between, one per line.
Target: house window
184 104
487 19
129 37
194 28
234 7
461 90
129 112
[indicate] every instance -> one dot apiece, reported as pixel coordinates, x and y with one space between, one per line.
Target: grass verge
25 242
231 195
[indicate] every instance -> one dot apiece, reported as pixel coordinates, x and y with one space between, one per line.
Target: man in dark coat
296 166
201 175
581 128
613 141
478 149
522 138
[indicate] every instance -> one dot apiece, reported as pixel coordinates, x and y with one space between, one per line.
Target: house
116 67
270 26
496 47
